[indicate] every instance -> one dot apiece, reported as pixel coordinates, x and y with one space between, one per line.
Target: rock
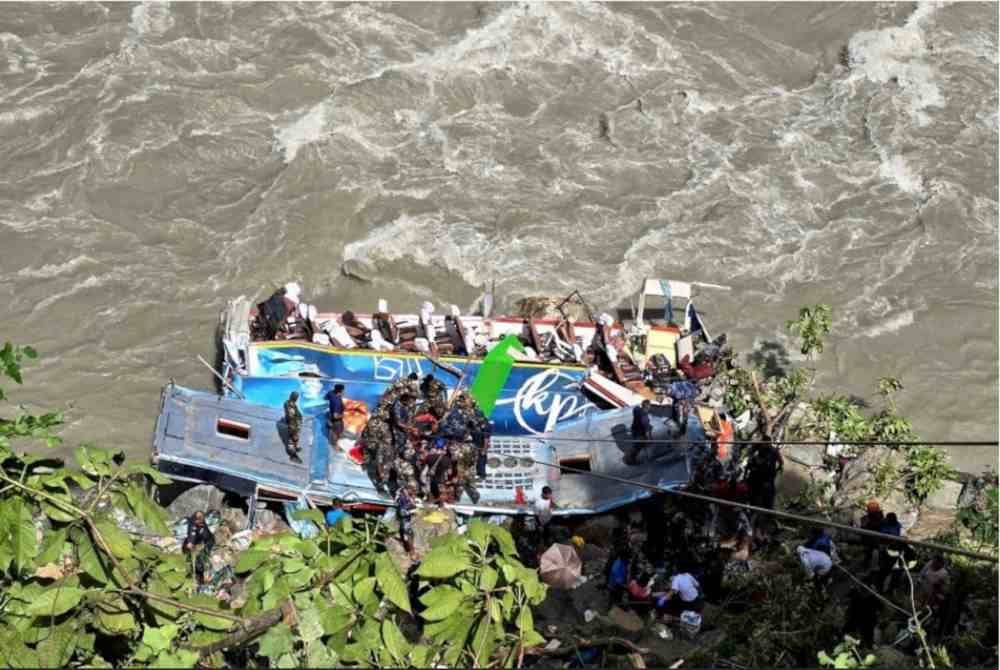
268 523
946 497
793 479
628 623
931 523
427 525
598 530
594 558
361 269
200 498
893 659
589 595
810 455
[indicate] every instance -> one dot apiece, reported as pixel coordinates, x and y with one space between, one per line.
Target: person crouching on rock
404 512
199 542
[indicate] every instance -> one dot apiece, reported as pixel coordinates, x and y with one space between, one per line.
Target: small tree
813 324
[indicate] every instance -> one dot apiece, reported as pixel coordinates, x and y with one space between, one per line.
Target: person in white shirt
544 505
684 594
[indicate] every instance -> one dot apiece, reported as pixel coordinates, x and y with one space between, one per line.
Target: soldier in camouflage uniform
435 394
481 429
408 385
406 453
465 454
379 453
293 421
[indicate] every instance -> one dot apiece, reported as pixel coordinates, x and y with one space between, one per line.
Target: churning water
159 158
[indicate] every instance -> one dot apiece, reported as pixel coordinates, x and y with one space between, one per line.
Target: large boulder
893 659
598 529
854 486
946 497
628 624
427 525
810 455
200 498
793 479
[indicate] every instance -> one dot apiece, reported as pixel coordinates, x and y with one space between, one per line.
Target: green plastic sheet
493 374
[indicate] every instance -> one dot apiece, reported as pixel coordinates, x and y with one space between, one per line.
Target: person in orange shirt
724 440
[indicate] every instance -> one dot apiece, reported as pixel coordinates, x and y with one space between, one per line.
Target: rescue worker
293 421
402 430
335 419
872 520
465 455
434 392
455 424
642 432
393 393
404 512
376 445
481 430
199 542
763 467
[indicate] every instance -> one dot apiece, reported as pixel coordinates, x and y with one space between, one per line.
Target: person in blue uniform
335 419
642 432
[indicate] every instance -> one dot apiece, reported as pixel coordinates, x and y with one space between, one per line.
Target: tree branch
256 626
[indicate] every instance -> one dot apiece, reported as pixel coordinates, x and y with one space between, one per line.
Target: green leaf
293 565
483 642
57 513
442 593
158 477
117 623
159 638
443 562
364 592
488 578
117 541
310 625
391 583
395 643
335 619
52 546
441 602
532 639
525 620
479 532
87 556
276 641
207 620
504 539
182 658
419 656
148 512
57 647
14 653
300 579
55 600
319 656
250 559
17 534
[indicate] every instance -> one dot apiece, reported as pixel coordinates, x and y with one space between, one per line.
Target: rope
824 523
872 591
868 443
